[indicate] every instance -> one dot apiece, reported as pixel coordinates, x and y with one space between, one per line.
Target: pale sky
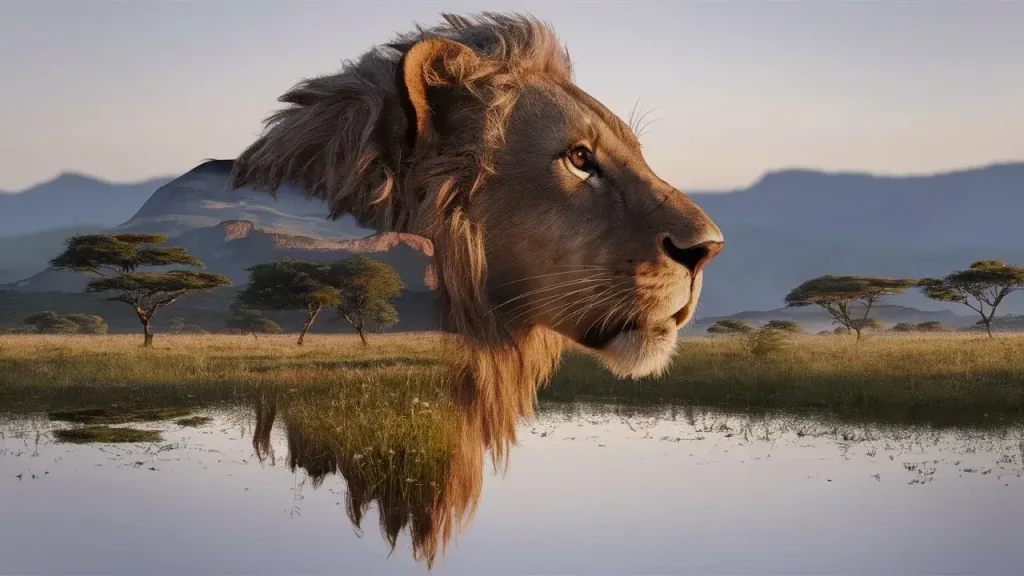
134 89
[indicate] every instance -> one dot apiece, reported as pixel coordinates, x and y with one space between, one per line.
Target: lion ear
430 72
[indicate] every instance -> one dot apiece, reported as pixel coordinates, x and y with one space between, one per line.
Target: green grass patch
194 421
118 415
106 435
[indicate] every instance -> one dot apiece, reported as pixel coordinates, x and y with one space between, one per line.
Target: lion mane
350 139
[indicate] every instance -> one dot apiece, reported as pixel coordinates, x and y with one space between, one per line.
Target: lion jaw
638 353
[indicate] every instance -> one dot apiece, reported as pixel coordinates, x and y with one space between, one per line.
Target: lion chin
640 353
648 351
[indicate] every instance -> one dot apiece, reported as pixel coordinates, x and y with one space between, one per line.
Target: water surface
589 490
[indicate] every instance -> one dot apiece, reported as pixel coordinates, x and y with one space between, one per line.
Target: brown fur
452 133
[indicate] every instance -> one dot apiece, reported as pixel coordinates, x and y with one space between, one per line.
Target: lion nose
694 257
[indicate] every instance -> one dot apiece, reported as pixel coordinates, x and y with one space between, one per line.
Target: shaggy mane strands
345 138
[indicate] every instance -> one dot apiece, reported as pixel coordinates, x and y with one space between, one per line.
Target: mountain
202 198
231 230
794 225
72 200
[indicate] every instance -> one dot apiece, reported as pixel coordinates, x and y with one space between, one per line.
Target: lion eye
580 161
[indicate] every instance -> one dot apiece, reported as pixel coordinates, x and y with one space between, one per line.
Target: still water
588 490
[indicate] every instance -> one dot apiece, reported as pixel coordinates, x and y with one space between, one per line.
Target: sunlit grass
926 377
943 377
52 372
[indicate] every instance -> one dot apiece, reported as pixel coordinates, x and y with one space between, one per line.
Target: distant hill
27 254
231 230
794 225
202 198
72 200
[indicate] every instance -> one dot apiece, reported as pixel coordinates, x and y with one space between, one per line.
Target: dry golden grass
934 377
898 377
53 372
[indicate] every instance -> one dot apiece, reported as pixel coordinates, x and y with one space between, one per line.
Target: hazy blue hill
796 224
23 255
72 200
979 206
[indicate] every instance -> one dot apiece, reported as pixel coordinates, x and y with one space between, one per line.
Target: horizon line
687 190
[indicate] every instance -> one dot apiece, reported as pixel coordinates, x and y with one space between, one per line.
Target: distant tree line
359 290
849 299
47 322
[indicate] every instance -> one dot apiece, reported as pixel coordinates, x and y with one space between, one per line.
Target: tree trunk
988 327
310 317
148 342
857 330
362 336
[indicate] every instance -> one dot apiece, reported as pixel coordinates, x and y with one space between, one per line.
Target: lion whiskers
557 286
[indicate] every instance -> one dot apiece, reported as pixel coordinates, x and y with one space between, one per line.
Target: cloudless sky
132 89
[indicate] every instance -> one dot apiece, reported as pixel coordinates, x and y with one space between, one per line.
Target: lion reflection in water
428 485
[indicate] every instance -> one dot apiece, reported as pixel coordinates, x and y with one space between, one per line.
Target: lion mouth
598 337
683 315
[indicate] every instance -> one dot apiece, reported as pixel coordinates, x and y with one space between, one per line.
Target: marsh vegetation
105 435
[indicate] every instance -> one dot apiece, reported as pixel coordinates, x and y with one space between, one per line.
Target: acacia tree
115 260
839 294
366 287
291 285
982 287
730 326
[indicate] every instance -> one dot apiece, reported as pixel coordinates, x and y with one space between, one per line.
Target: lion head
548 225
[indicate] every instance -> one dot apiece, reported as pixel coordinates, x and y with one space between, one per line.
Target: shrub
784 325
52 323
88 323
731 326
766 341
178 325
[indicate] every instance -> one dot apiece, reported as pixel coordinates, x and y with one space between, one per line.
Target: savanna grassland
940 378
